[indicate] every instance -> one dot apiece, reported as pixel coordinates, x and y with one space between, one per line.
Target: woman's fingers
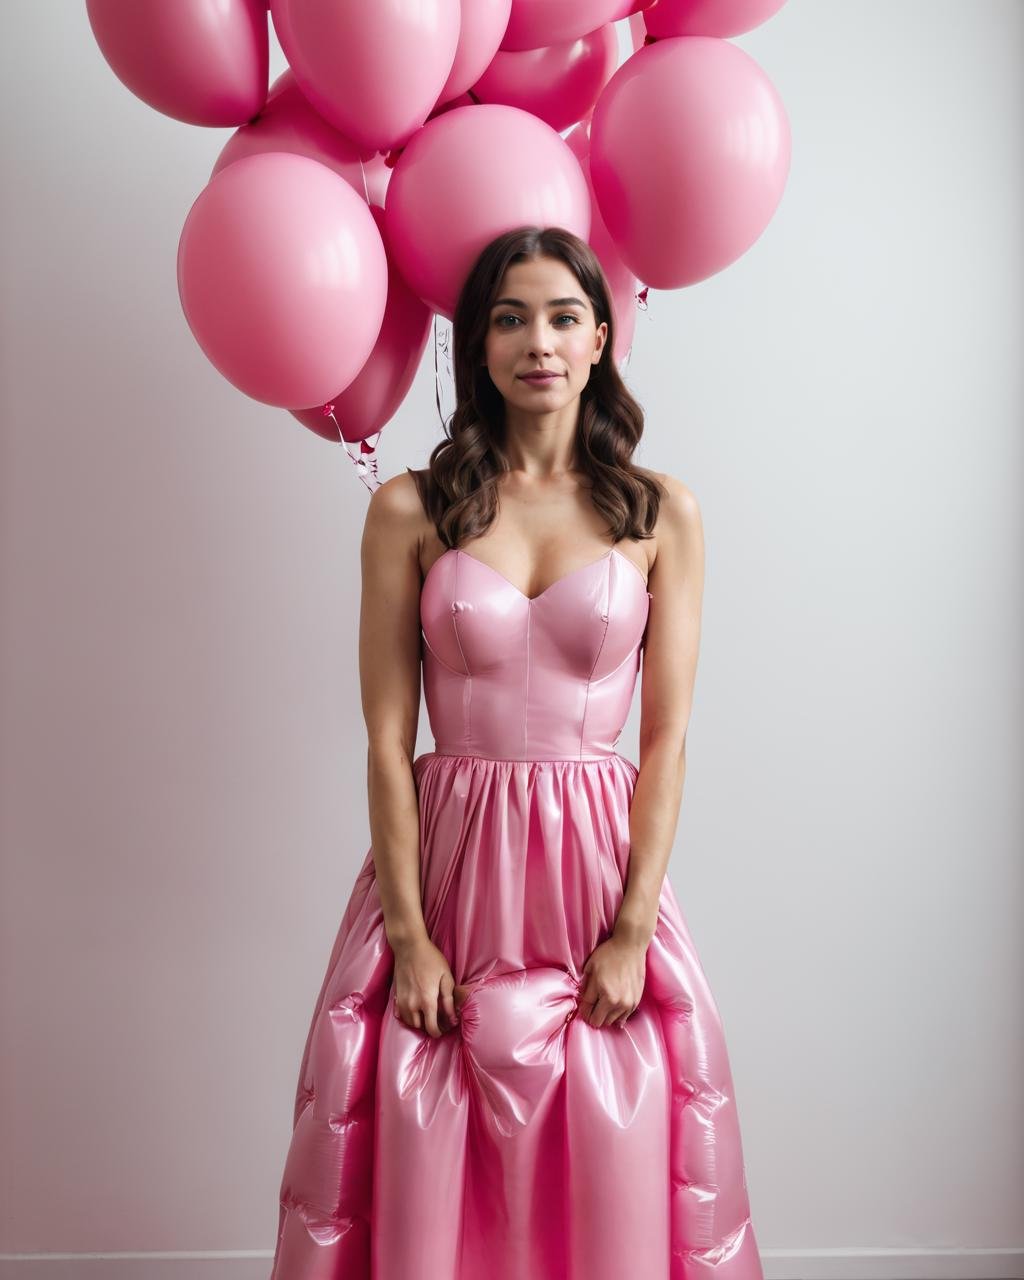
448 1000
430 1020
603 1012
598 1012
429 1014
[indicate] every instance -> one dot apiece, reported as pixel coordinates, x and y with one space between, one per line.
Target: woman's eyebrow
555 302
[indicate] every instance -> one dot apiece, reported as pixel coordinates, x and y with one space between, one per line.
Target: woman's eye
565 316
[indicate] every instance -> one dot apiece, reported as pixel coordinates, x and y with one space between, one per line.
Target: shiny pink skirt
523 1144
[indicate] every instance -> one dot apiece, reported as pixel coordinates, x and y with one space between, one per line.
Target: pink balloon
468 176
559 84
689 155
534 24
629 7
483 25
289 123
622 283
371 400
283 278
374 71
198 62
721 18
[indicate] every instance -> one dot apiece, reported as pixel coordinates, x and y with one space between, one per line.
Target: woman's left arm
667 681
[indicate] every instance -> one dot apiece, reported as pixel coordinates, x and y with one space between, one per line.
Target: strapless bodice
548 677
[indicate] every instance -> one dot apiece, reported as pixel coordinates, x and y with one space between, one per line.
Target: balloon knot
327 410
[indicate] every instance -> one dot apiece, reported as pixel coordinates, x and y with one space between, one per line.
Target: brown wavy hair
458 488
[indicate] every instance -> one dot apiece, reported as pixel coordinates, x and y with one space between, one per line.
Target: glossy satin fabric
523 1144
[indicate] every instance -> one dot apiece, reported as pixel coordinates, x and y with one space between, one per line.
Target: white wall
183 755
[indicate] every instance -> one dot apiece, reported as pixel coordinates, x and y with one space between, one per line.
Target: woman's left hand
615 975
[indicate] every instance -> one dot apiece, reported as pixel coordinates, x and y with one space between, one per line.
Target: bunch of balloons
354 195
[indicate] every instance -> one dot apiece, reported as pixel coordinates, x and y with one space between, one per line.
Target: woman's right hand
424 987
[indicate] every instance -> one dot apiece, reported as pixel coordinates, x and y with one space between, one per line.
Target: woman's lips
540 379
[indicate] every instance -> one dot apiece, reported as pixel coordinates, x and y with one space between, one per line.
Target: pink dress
523 1144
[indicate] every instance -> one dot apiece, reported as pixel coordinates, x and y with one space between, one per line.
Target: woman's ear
602 333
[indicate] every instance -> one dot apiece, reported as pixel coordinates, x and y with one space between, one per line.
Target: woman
516 1069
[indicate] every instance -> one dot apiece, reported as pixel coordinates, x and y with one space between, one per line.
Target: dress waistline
478 755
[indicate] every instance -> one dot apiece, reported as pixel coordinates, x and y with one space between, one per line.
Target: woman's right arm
389 672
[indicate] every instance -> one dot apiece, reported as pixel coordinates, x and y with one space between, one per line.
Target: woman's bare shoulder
396 523
679 509
396 502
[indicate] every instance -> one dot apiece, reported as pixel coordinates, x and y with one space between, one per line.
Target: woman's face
542 319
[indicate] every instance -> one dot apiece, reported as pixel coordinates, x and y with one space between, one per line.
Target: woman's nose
540 341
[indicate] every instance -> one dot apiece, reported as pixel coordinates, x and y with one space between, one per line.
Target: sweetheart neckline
612 551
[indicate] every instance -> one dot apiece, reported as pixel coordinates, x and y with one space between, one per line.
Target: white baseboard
893 1264
779 1264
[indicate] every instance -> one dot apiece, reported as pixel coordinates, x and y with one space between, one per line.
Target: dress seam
597 657
439 660
467 695
439 754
